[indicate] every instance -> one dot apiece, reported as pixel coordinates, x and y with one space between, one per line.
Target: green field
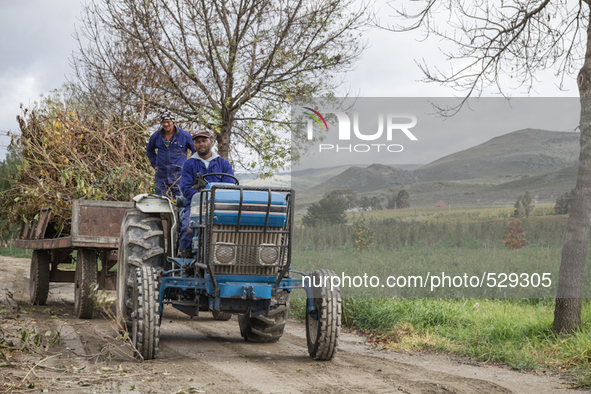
507 325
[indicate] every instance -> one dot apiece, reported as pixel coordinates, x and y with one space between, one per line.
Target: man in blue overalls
167 151
205 161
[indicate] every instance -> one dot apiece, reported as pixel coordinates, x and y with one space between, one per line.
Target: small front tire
268 326
323 326
221 316
146 312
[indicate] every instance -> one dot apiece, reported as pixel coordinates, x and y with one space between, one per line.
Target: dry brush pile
67 155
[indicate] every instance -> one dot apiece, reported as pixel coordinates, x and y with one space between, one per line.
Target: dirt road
207 356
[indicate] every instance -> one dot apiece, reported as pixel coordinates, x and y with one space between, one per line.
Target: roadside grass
483 325
447 214
516 332
16 252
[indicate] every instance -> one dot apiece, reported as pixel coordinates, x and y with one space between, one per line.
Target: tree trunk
567 312
223 138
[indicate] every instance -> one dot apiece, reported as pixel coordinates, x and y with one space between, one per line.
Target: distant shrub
362 235
329 211
524 206
564 203
514 237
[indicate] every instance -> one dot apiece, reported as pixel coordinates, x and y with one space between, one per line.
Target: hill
368 179
523 152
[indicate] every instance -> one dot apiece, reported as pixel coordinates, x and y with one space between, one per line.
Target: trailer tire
146 315
221 316
268 326
323 327
141 243
39 277
85 278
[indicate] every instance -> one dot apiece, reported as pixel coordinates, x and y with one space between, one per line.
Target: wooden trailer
94 234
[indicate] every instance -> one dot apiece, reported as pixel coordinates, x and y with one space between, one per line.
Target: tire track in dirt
287 363
205 355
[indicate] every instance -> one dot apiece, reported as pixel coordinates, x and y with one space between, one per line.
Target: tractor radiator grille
247 250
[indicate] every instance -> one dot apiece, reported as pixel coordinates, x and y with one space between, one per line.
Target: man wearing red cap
167 151
204 161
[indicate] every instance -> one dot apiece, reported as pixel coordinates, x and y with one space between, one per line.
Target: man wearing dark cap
167 151
204 161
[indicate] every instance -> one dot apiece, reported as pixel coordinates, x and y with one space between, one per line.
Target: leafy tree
391 201
399 200
564 203
507 44
523 206
373 203
403 199
348 195
329 211
234 66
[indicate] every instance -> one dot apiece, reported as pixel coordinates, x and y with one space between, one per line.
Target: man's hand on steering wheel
201 182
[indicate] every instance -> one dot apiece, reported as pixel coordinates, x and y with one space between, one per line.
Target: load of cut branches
66 154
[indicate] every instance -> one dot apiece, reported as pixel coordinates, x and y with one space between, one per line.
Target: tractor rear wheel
85 277
39 277
323 326
146 312
222 316
141 243
268 326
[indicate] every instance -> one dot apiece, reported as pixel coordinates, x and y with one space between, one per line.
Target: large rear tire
268 326
141 243
146 313
39 277
85 277
323 326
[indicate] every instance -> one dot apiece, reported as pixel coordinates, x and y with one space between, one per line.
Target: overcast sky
36 43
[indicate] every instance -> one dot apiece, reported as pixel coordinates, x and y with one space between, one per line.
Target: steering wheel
223 174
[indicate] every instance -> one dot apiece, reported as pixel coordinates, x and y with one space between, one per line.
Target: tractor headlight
268 254
224 253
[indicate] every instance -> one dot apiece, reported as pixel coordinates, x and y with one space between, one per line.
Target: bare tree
504 45
231 65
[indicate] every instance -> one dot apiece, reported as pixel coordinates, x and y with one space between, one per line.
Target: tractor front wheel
145 315
222 316
268 326
323 325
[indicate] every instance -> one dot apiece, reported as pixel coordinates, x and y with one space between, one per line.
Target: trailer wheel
323 326
39 277
146 312
268 326
141 243
85 277
222 316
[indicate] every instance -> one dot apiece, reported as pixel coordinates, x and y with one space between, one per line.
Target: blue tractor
242 239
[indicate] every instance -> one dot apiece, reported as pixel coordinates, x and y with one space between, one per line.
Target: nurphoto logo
393 124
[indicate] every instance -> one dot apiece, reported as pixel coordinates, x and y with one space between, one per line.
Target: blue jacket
193 166
169 161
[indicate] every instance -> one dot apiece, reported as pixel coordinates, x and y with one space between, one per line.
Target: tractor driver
167 151
204 161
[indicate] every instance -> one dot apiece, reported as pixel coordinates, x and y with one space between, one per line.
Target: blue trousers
186 231
167 185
